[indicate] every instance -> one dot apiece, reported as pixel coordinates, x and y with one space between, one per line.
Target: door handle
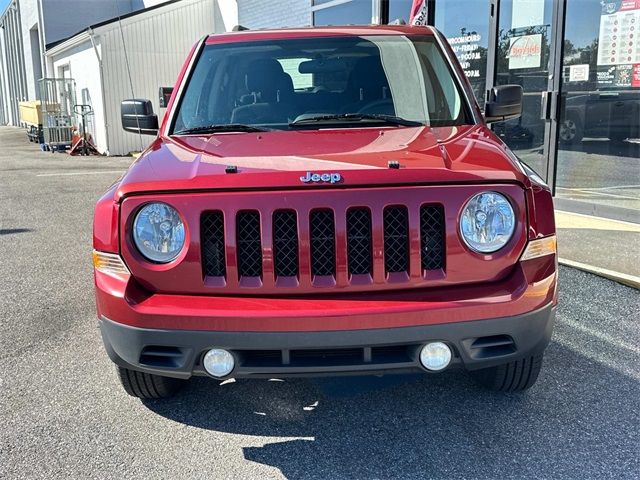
544 106
548 105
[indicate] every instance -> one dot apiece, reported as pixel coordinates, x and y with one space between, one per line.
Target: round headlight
487 222
158 232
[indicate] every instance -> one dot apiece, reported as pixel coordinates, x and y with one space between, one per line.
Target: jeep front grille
249 244
359 241
396 239
285 243
323 243
432 237
277 248
212 241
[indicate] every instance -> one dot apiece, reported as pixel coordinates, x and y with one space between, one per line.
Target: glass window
400 10
466 26
524 43
599 146
272 84
291 67
351 12
524 46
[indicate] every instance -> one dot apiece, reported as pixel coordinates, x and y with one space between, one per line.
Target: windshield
341 82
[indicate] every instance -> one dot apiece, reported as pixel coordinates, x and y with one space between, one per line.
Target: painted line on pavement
601 335
584 191
612 195
624 278
594 217
598 188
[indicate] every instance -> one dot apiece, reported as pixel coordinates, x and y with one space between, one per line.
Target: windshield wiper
355 118
222 127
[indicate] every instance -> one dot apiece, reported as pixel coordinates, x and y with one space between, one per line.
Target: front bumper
476 344
485 324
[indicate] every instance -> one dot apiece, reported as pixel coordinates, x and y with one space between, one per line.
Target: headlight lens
487 222
158 232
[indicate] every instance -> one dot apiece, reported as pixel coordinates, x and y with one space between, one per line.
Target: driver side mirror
137 117
504 102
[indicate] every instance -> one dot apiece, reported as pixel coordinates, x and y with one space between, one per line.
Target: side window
300 80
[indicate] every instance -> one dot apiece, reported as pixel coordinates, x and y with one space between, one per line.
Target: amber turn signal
540 247
109 263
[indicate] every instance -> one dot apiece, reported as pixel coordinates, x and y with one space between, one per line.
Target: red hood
269 160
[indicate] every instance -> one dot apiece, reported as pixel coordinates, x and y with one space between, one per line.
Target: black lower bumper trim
476 344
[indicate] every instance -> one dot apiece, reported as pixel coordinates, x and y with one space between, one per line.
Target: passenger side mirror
137 117
504 103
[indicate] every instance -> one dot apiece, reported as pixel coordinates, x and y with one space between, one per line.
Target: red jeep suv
324 201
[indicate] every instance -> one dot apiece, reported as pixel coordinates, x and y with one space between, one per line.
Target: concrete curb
623 278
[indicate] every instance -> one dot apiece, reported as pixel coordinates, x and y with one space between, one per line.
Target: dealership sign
525 51
467 49
579 73
619 29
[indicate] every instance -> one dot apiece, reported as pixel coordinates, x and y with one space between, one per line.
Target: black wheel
146 385
570 131
510 377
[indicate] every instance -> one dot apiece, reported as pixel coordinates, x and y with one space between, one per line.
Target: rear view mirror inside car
322 65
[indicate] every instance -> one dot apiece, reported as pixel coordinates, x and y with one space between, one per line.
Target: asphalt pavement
599 245
64 415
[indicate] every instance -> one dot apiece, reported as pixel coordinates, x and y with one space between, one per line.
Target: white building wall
13 81
156 44
227 14
35 24
84 68
255 14
30 19
5 107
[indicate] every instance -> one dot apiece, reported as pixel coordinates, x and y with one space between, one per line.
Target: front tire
510 377
570 131
148 386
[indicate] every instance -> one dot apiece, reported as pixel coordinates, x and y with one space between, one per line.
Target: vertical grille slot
396 239
249 244
212 244
323 256
432 237
359 241
285 243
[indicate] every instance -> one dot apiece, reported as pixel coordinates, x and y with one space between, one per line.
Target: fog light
218 362
435 356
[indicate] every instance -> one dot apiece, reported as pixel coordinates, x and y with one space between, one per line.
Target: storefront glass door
599 138
578 62
466 26
525 57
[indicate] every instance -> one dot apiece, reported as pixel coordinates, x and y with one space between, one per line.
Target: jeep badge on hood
324 177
